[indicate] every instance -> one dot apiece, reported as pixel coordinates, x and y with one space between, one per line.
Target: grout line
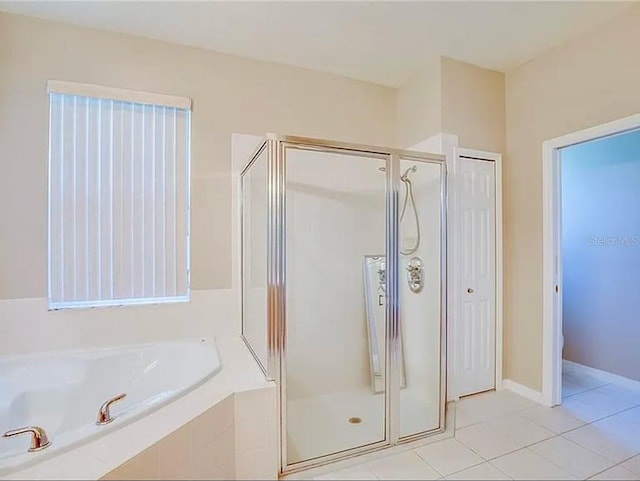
581 446
532 452
600 419
484 461
505 454
364 465
496 467
585 423
616 466
585 447
586 390
489 460
563 433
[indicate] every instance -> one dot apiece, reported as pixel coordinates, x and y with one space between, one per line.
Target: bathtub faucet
104 416
39 439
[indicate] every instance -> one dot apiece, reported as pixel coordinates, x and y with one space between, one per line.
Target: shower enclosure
343 292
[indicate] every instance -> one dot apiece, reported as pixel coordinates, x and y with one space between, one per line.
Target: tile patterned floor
500 435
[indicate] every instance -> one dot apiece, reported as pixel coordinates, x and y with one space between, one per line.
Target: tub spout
39 439
104 415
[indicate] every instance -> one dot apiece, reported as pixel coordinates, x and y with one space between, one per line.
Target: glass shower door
254 257
334 373
421 295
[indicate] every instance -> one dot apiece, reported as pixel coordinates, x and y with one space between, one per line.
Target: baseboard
524 391
603 376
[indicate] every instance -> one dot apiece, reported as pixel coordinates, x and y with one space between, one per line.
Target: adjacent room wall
591 80
601 254
230 94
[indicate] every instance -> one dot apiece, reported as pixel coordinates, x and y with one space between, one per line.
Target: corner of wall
524 391
473 105
418 106
256 433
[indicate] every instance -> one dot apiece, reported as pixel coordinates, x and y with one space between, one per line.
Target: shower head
405 176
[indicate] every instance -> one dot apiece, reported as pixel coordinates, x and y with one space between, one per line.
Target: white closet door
477 308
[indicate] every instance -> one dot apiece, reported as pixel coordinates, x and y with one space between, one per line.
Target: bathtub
62 391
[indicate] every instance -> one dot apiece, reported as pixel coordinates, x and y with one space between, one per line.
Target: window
118 196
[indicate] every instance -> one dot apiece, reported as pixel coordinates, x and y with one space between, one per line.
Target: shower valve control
415 274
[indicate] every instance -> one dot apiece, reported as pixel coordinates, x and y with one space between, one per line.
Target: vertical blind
118 197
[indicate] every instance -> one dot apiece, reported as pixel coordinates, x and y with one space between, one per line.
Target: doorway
590 249
477 283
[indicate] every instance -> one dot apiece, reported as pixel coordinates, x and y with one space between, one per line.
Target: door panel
477 283
420 198
339 390
335 221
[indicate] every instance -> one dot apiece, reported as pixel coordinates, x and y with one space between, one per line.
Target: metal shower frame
276 147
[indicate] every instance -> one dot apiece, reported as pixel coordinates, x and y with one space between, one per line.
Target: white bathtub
62 391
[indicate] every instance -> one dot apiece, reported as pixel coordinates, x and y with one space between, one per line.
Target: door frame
552 248
454 267
276 146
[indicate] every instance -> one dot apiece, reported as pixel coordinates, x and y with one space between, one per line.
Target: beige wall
453 97
418 106
589 81
230 94
593 79
473 105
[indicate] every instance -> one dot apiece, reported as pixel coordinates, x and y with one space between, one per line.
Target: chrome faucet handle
104 414
39 439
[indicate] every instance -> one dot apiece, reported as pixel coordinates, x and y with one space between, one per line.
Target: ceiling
381 42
